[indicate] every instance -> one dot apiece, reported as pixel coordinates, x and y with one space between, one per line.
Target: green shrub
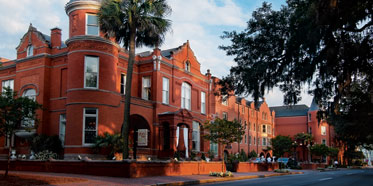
253 154
211 154
112 142
43 142
203 156
243 157
221 174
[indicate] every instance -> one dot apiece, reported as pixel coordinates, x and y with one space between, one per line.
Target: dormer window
92 25
187 66
30 50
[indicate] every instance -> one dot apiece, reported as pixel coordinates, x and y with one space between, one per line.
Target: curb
195 182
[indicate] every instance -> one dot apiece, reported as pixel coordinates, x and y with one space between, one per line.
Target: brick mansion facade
81 83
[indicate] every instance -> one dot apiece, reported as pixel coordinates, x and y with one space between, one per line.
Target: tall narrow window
323 141
91 72
214 148
225 115
7 84
28 122
196 136
323 130
224 100
269 129
90 120
264 129
92 25
245 139
122 83
187 66
249 140
62 128
146 85
186 96
165 90
30 50
264 140
203 102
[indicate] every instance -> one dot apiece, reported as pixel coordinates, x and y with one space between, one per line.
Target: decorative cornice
79 5
91 38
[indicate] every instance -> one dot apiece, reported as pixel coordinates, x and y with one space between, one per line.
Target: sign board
142 137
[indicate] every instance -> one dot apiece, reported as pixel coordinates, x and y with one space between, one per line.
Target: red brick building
80 82
303 119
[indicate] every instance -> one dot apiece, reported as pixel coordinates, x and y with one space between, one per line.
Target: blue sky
199 21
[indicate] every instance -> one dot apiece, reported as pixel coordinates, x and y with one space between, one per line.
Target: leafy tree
281 145
14 111
320 150
253 154
306 140
133 23
112 142
326 44
224 132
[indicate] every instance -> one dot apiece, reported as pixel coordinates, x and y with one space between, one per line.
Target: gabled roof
314 105
287 111
44 38
259 104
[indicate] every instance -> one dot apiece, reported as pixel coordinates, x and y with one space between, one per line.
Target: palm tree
134 23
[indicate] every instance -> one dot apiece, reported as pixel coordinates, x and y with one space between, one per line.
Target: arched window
30 50
187 66
30 93
28 121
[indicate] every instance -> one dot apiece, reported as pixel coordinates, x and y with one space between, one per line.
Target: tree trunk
127 101
8 162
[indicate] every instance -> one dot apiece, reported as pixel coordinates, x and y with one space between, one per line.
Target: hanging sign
142 137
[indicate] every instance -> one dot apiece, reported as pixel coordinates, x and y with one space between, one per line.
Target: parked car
283 160
256 160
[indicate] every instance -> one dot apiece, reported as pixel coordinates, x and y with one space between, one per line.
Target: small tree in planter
222 131
253 154
320 150
280 145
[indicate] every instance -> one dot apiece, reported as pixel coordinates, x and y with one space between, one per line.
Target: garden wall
128 169
255 167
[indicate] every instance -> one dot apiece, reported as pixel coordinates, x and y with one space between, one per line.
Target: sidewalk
158 180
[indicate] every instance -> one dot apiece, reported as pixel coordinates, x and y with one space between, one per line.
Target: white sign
142 137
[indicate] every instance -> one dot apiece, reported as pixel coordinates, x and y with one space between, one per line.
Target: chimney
55 37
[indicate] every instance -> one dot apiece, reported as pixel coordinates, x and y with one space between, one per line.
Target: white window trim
30 50
264 139
98 72
224 100
59 133
84 116
144 94
203 103
167 92
7 81
198 141
86 25
187 102
322 132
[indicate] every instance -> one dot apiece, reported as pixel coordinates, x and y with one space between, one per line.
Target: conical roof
314 106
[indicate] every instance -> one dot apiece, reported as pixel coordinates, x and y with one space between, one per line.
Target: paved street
341 177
